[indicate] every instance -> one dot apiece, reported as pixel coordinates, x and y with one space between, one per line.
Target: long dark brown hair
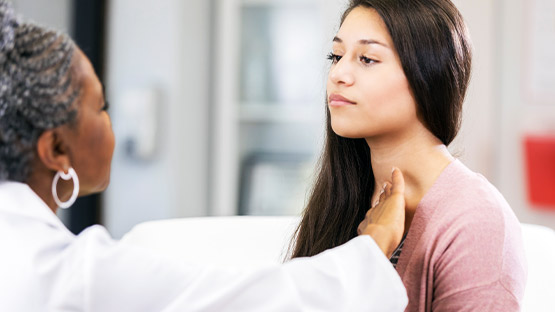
431 40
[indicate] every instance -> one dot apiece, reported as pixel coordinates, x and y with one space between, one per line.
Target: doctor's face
368 93
91 139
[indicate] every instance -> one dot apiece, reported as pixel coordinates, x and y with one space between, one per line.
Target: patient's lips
337 100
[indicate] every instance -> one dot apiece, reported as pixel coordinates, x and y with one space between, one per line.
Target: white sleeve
352 277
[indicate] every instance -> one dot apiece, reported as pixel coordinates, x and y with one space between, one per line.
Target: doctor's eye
106 106
334 58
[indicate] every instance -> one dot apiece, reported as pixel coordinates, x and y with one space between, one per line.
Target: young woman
398 77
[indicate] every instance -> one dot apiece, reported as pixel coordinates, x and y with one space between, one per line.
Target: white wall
518 112
160 44
474 144
52 13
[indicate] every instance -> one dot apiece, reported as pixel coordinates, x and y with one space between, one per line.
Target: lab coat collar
19 199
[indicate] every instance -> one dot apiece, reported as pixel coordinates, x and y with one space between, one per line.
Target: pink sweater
464 249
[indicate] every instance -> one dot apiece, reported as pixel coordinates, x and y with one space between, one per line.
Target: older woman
56 143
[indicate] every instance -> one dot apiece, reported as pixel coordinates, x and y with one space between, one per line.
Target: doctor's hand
385 222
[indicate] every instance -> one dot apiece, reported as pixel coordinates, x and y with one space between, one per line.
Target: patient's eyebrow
362 41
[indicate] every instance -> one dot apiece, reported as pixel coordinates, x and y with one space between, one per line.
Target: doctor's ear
52 151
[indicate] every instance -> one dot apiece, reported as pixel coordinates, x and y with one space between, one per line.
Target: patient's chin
347 132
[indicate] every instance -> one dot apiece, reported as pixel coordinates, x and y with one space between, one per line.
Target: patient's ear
53 151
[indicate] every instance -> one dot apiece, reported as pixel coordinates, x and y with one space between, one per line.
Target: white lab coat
44 267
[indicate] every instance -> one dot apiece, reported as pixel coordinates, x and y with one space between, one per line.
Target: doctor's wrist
384 238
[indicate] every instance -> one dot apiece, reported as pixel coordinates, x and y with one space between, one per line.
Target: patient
398 78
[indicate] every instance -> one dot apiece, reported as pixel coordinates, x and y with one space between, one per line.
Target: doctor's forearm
383 237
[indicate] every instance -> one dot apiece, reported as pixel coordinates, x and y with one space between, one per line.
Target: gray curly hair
37 91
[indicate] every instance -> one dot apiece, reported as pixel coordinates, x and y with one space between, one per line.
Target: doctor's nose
341 73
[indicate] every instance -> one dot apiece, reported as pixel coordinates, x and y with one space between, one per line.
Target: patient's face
368 93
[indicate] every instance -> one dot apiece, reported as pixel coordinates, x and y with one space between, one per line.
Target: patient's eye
367 60
334 58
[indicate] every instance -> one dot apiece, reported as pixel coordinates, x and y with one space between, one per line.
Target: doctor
56 144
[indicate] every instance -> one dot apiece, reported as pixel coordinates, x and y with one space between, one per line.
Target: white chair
539 244
242 242
238 242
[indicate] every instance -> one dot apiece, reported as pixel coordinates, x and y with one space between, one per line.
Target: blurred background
218 106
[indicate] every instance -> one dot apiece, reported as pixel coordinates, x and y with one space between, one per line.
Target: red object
540 169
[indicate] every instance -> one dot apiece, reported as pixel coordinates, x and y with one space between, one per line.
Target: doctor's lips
338 100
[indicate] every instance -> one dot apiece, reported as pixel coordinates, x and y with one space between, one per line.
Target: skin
87 145
367 71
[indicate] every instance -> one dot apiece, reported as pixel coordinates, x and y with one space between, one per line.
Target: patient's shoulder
462 200
467 197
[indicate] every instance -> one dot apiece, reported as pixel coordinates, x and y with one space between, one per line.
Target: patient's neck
419 155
